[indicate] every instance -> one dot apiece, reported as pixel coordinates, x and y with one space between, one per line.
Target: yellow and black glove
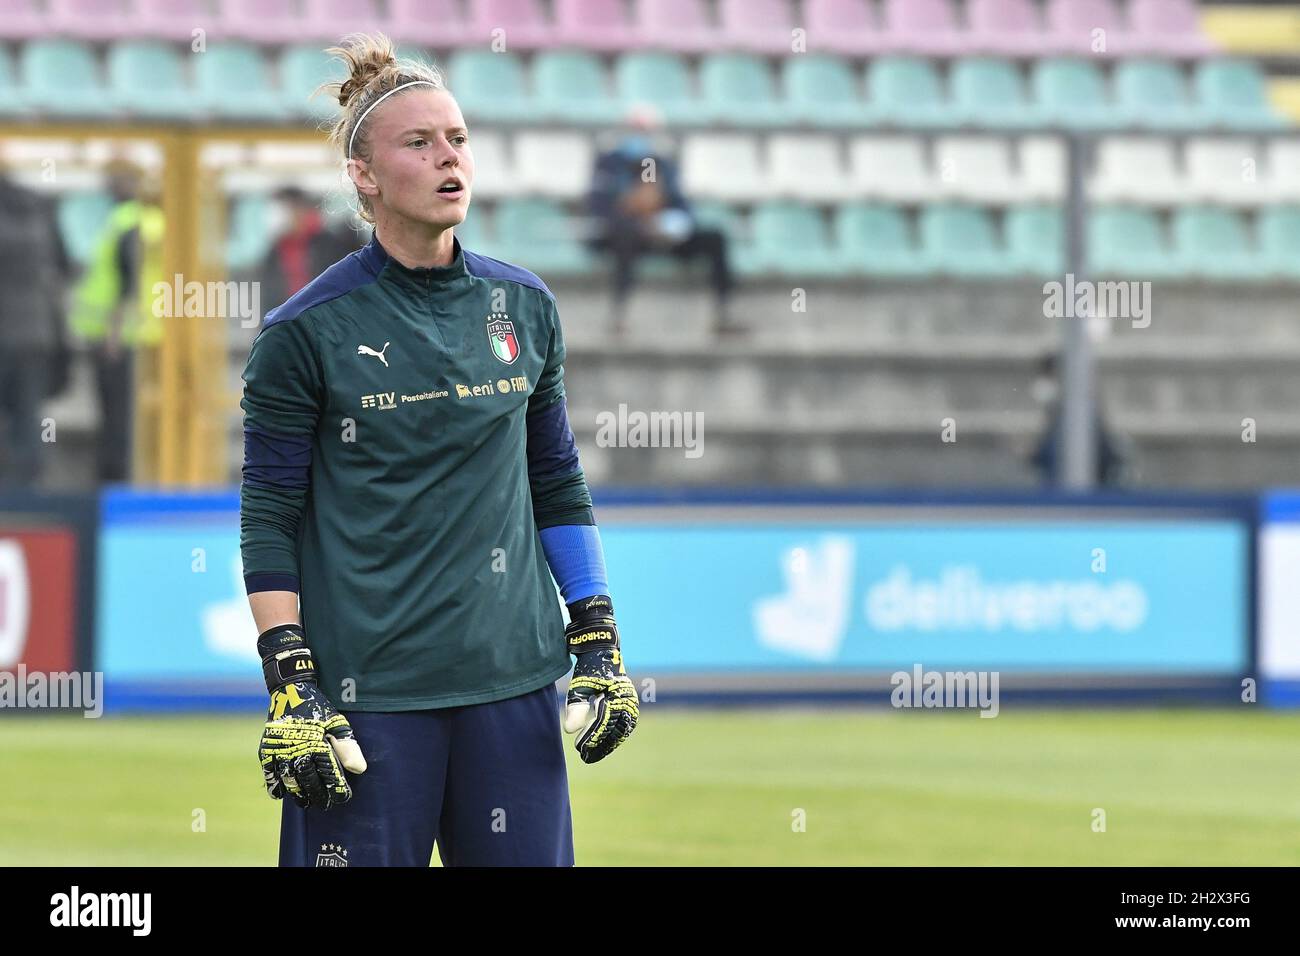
602 703
306 743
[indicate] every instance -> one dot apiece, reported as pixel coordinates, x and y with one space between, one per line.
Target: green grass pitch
693 787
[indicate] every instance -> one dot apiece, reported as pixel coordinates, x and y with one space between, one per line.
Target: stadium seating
490 86
170 19
571 87
1214 243
1153 94
302 71
22 20
430 23
1070 93
793 240
989 92
1035 237
906 91
1232 94
682 26
147 78
876 240
232 80
538 231
1279 242
1004 27
822 91
845 27
925 27
662 79
81 216
962 241
738 90
61 77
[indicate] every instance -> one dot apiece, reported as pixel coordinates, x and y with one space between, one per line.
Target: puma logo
367 350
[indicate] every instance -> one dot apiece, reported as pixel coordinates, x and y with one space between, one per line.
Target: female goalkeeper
410 486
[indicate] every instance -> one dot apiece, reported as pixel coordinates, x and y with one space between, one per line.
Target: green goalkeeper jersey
405 439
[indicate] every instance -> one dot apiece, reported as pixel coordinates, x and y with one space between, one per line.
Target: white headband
395 89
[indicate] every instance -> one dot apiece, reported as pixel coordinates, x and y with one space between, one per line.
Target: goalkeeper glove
602 703
305 739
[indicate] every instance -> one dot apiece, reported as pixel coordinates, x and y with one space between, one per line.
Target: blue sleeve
577 560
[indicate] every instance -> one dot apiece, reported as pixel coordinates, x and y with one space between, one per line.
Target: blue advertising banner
1098 597
762 589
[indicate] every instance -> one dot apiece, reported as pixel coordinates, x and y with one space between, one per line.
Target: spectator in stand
639 208
33 348
304 247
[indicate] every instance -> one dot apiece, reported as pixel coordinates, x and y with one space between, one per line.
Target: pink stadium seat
923 26
594 25
333 19
91 19
262 21
1074 25
1004 27
682 26
523 21
172 19
758 26
434 23
1166 27
847 27
22 20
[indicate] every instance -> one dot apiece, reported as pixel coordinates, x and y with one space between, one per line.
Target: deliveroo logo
809 619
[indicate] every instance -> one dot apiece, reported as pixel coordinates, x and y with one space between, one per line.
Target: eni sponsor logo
502 386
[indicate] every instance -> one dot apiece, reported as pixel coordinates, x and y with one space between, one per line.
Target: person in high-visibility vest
113 311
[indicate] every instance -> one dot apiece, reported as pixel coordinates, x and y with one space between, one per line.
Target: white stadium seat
493 175
557 165
1225 170
807 168
1042 168
893 168
725 166
1137 170
1284 170
976 168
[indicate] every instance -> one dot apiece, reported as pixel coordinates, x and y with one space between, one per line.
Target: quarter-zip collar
381 264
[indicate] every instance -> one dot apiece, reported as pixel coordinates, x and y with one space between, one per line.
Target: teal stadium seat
822 91
234 82
247 238
62 77
989 92
1232 93
490 86
475 232
876 240
1279 241
663 80
13 102
906 91
1153 94
791 239
1036 240
538 235
1072 94
81 217
962 241
302 70
1130 243
737 89
147 78
572 87
1215 243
